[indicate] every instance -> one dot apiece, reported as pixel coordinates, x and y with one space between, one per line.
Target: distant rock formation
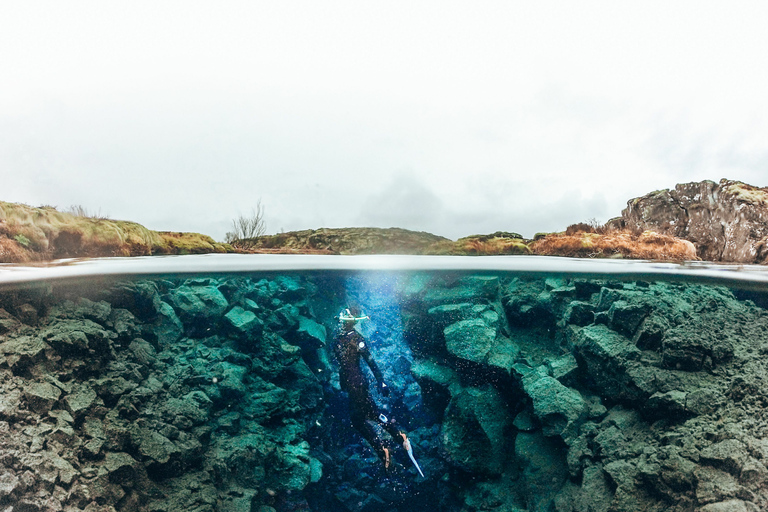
726 221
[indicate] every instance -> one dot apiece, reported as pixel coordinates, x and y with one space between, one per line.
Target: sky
455 118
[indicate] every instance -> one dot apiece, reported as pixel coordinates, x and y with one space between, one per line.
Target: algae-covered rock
23 351
41 396
560 409
167 326
311 332
475 430
80 400
543 468
243 321
198 302
470 339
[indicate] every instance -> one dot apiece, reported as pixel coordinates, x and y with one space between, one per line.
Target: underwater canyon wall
518 394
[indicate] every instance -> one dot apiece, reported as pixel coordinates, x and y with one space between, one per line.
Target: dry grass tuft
616 244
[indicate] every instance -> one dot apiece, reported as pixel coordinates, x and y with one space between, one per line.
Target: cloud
406 202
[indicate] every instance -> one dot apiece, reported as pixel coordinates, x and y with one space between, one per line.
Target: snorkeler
366 417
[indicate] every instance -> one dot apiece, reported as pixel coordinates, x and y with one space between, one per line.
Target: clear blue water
522 384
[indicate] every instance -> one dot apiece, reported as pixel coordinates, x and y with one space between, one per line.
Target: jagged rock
8 323
77 337
729 506
625 318
704 400
669 405
9 483
729 455
41 396
311 332
23 351
124 324
444 315
121 467
579 313
167 327
155 447
470 339
593 495
715 485
563 368
726 221
293 466
143 351
80 400
474 428
612 364
543 468
9 403
27 313
198 302
243 322
111 388
560 409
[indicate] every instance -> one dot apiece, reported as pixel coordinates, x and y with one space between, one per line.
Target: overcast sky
449 117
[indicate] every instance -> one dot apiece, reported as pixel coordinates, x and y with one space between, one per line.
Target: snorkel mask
348 316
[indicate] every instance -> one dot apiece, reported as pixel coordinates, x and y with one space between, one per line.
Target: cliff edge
726 221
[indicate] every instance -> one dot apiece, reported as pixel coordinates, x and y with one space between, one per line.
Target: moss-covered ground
33 234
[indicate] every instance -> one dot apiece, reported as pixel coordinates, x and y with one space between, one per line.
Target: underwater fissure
517 394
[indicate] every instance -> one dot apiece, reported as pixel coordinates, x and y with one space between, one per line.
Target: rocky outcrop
160 396
614 396
726 221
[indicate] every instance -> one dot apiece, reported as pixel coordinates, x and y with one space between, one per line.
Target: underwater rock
311 332
198 302
610 361
543 468
167 326
470 339
23 351
560 409
80 400
78 337
244 322
41 396
472 289
8 323
474 431
579 313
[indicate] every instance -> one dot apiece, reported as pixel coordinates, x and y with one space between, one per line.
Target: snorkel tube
347 316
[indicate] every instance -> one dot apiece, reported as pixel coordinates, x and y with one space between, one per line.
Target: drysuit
366 417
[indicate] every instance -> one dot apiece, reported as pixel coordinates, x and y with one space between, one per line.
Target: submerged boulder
475 430
470 339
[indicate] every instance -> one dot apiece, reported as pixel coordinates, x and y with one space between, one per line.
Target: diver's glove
384 389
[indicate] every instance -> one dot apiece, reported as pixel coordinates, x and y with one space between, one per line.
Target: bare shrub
247 227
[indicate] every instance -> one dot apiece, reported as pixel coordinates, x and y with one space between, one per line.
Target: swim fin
407 446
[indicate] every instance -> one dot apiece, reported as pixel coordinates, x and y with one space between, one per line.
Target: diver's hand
384 389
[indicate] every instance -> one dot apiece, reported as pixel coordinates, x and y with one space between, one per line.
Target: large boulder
198 302
475 430
726 221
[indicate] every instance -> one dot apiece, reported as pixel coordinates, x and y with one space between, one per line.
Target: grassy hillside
34 234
